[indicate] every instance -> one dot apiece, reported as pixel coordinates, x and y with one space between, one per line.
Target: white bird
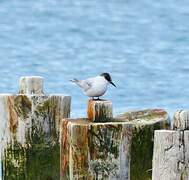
95 86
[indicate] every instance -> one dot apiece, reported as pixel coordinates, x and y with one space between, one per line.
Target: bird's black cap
108 78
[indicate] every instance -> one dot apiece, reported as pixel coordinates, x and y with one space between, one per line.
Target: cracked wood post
99 110
171 155
118 149
171 150
29 131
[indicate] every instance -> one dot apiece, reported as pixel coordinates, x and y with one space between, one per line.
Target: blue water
143 44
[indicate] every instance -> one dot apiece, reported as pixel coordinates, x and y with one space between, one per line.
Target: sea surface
143 44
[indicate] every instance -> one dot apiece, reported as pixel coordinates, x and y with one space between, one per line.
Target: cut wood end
99 110
31 85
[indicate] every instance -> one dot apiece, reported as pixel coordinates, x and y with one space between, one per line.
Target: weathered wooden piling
117 149
171 150
29 131
181 120
31 85
99 110
170 161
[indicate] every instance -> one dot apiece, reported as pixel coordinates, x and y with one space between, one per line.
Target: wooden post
99 110
144 122
171 150
29 133
181 120
110 150
31 85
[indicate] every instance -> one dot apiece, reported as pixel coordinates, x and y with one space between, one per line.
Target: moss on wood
31 149
142 151
104 141
112 150
22 105
144 116
28 163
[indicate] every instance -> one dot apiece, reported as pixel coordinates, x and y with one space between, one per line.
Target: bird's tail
78 82
74 80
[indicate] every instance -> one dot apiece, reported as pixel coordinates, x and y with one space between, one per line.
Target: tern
95 86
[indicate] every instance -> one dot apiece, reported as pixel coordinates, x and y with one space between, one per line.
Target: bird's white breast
98 87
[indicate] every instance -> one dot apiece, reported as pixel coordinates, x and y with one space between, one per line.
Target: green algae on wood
31 163
145 123
29 134
95 150
143 116
22 106
142 151
110 150
104 150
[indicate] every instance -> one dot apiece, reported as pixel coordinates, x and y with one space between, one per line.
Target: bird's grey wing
84 84
88 82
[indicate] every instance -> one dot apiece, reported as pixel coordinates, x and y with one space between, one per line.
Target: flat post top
31 85
99 110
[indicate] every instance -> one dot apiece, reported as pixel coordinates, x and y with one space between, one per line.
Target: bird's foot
97 99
